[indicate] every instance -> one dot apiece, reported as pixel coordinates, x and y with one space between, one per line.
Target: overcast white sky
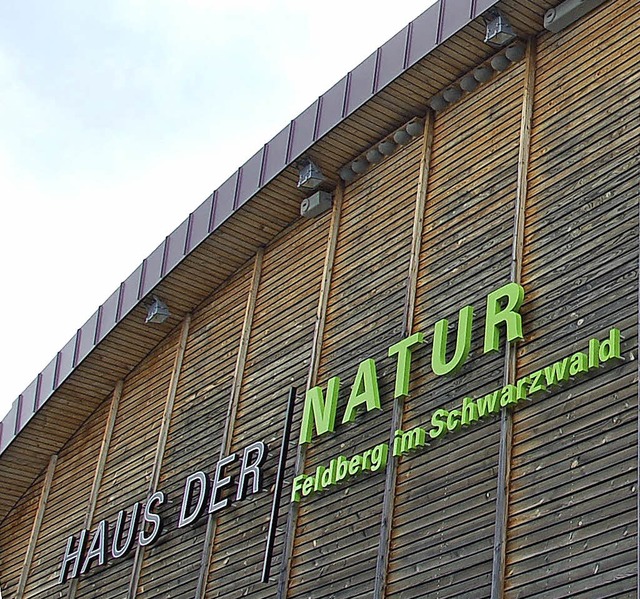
118 118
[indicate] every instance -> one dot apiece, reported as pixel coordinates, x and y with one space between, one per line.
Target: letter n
319 411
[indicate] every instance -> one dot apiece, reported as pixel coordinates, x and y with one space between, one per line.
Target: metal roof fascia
445 18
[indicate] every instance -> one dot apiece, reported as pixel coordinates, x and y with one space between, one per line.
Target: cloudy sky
118 118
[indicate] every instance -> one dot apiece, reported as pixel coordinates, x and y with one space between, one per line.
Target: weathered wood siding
300 312
277 358
337 532
572 522
64 516
14 538
446 492
196 435
130 461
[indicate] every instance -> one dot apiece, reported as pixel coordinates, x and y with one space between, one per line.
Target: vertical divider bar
100 466
388 501
510 362
638 433
314 365
160 447
37 523
277 492
232 409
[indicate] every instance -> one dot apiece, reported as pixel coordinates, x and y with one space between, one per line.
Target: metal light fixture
498 30
157 311
311 176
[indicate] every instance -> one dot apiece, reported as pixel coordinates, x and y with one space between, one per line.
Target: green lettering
297 487
558 371
536 383
403 350
490 403
308 486
364 390
379 457
438 423
509 315
522 387
319 411
342 468
594 350
413 439
469 411
439 363
453 421
355 464
610 348
509 395
366 460
579 364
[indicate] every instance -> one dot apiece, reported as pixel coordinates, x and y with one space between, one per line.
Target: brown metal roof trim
411 44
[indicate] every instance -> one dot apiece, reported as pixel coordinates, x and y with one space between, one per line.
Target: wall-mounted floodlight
310 176
157 311
498 30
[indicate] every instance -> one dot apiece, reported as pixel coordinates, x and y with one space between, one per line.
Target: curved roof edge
421 36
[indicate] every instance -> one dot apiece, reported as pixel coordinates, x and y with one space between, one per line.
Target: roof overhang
247 211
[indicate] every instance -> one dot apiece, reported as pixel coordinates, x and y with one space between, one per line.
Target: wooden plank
574 501
314 365
371 263
446 494
37 523
160 448
384 545
510 365
278 356
97 479
232 408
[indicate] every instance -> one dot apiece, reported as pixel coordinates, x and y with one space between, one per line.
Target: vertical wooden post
160 447
37 523
312 376
97 477
232 408
638 432
510 368
388 501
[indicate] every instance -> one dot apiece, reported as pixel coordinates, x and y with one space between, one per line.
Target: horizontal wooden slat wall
337 532
130 459
170 567
15 535
443 527
66 506
573 525
277 358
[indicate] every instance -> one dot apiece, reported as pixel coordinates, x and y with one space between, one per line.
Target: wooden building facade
516 472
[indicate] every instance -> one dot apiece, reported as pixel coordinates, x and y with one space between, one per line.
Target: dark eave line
433 27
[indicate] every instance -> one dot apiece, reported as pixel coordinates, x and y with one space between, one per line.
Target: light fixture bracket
499 31
310 176
157 311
